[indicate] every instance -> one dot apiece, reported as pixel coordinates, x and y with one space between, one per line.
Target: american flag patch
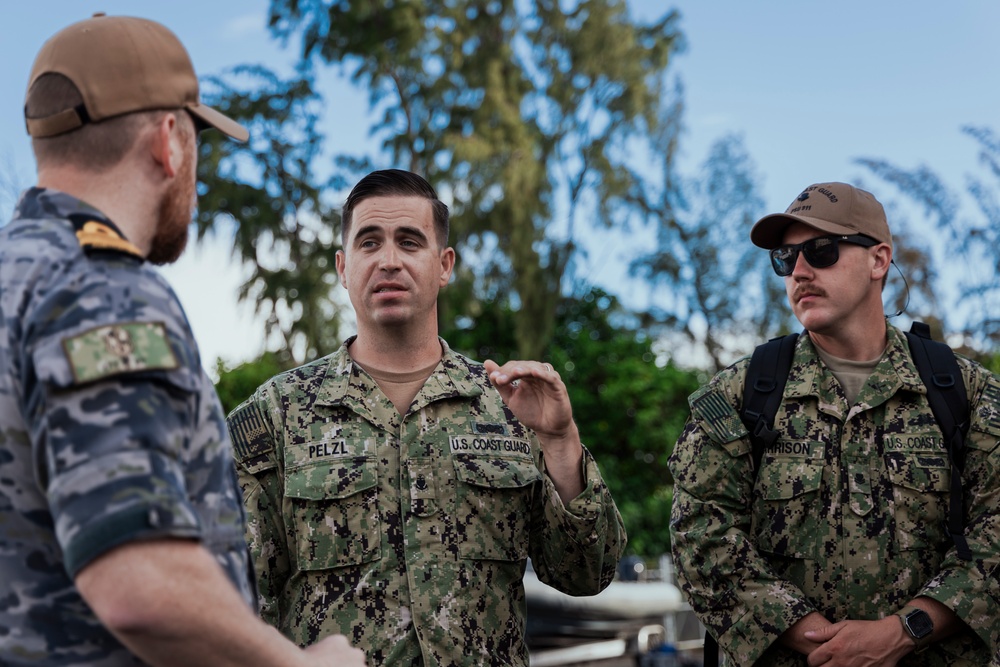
250 440
989 407
718 417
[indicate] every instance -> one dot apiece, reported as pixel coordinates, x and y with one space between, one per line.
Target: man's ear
340 259
447 265
165 145
883 260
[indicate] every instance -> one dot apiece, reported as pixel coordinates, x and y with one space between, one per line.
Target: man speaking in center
395 488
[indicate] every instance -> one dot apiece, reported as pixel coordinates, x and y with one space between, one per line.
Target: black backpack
935 361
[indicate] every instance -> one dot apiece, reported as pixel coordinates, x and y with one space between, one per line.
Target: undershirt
400 388
851 375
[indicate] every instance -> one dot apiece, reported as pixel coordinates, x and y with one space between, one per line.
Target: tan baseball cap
835 208
120 65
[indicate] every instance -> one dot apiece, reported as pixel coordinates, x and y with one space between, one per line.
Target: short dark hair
395 183
94 146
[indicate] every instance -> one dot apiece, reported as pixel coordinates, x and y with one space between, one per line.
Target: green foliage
630 407
236 383
268 196
992 362
522 111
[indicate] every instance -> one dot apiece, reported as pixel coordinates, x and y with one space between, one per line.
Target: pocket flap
496 472
783 480
331 478
921 472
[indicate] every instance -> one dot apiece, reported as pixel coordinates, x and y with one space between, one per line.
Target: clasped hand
859 644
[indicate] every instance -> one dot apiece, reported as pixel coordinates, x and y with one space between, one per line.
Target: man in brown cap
121 523
846 536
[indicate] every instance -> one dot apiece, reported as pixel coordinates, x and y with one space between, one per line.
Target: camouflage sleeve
972 588
730 587
261 482
111 391
576 548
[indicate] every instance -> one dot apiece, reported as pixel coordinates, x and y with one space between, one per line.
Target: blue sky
809 86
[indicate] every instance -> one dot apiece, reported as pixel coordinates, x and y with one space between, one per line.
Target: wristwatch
918 625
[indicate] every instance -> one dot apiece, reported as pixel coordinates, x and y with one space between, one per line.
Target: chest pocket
788 518
334 512
920 483
494 506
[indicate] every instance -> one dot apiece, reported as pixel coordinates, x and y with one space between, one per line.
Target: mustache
807 289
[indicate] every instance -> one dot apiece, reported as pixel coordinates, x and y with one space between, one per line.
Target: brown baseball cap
835 208
120 65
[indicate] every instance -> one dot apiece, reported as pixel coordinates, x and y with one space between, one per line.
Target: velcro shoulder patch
97 235
252 444
117 349
716 415
986 417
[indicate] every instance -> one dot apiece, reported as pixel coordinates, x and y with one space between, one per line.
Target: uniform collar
809 376
36 203
346 383
94 230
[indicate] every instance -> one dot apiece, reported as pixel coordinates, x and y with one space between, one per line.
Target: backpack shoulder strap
762 391
949 402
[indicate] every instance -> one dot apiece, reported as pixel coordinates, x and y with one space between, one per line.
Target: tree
718 286
267 195
524 112
238 383
971 238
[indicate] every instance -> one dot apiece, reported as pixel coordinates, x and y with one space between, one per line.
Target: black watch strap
918 625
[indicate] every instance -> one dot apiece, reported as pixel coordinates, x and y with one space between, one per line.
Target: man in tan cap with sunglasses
121 523
843 527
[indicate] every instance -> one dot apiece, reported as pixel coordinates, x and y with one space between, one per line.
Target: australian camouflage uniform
110 430
409 534
847 514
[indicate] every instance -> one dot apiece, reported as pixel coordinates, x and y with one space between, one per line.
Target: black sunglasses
820 252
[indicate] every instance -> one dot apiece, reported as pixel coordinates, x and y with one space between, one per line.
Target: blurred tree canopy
522 112
266 193
711 280
969 236
237 383
630 407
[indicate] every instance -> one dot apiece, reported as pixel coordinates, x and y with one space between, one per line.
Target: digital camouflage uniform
110 431
848 514
409 534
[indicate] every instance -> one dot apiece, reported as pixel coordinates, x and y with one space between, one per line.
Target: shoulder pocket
108 352
334 508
